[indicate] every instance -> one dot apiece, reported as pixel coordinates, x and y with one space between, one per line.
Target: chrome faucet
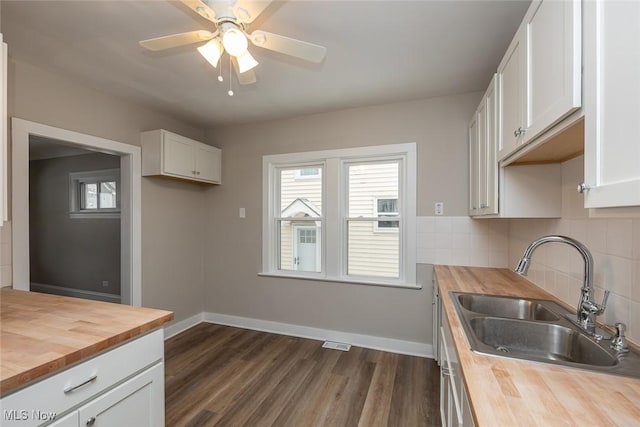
587 309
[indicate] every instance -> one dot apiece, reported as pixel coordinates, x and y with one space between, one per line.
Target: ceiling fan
230 18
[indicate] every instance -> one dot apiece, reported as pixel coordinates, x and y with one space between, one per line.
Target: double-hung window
342 215
94 194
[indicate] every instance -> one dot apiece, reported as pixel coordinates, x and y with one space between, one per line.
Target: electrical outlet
242 213
105 283
439 208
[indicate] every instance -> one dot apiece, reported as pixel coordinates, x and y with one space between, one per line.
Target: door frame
296 228
130 215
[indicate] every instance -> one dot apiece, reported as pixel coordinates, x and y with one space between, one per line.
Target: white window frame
90 177
333 235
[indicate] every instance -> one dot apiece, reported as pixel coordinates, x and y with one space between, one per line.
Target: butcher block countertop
41 334
511 392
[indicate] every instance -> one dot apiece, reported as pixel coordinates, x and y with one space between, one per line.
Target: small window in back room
94 194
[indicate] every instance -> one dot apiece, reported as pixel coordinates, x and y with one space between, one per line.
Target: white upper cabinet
483 165
167 154
540 76
554 64
512 91
612 103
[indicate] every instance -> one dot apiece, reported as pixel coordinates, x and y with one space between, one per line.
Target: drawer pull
91 421
75 387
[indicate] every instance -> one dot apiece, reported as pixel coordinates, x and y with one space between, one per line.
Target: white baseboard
174 328
391 345
72 292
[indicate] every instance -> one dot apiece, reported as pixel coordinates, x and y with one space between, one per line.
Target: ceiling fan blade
201 9
175 40
247 11
303 50
246 78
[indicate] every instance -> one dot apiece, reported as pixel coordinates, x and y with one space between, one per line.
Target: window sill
94 215
340 280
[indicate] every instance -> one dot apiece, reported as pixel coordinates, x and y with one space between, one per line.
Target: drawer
82 382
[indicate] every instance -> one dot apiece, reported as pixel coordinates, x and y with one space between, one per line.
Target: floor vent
337 345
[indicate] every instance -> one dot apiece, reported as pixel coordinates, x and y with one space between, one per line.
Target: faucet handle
603 306
618 342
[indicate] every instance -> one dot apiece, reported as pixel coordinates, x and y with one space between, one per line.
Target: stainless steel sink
540 341
538 330
513 308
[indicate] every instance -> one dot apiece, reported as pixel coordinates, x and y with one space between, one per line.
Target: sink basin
513 308
538 330
540 341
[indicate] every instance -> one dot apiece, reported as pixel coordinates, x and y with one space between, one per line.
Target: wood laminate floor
224 376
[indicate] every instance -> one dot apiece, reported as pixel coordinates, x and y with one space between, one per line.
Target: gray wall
74 253
172 271
233 251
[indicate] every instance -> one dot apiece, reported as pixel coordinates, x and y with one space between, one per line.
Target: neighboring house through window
343 215
386 207
94 194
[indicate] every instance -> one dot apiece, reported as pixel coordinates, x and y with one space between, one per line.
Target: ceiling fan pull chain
230 79
220 78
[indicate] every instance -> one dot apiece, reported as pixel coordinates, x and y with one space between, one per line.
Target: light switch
242 213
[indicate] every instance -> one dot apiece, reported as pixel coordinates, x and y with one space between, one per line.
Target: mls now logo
15 415
23 415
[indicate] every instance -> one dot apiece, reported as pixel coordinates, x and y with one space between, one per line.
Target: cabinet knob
519 132
482 206
91 421
197 173
583 188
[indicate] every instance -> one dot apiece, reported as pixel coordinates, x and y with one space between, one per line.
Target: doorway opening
75 214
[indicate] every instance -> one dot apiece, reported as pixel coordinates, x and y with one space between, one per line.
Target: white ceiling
378 52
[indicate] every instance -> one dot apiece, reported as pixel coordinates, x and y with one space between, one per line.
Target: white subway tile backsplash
443 224
634 321
620 237
597 235
463 241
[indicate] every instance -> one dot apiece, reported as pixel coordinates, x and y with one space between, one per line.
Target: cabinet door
481 117
554 61
178 156
612 103
511 81
474 163
489 196
208 164
69 420
138 402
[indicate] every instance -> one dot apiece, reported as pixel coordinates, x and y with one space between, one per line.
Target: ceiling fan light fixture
246 62
234 42
212 51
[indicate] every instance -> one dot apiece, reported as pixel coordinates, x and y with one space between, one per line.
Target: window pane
370 253
388 205
300 198
309 171
89 194
373 186
299 246
108 195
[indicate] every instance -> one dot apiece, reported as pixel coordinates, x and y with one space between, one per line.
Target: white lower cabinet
121 387
138 402
454 402
70 420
